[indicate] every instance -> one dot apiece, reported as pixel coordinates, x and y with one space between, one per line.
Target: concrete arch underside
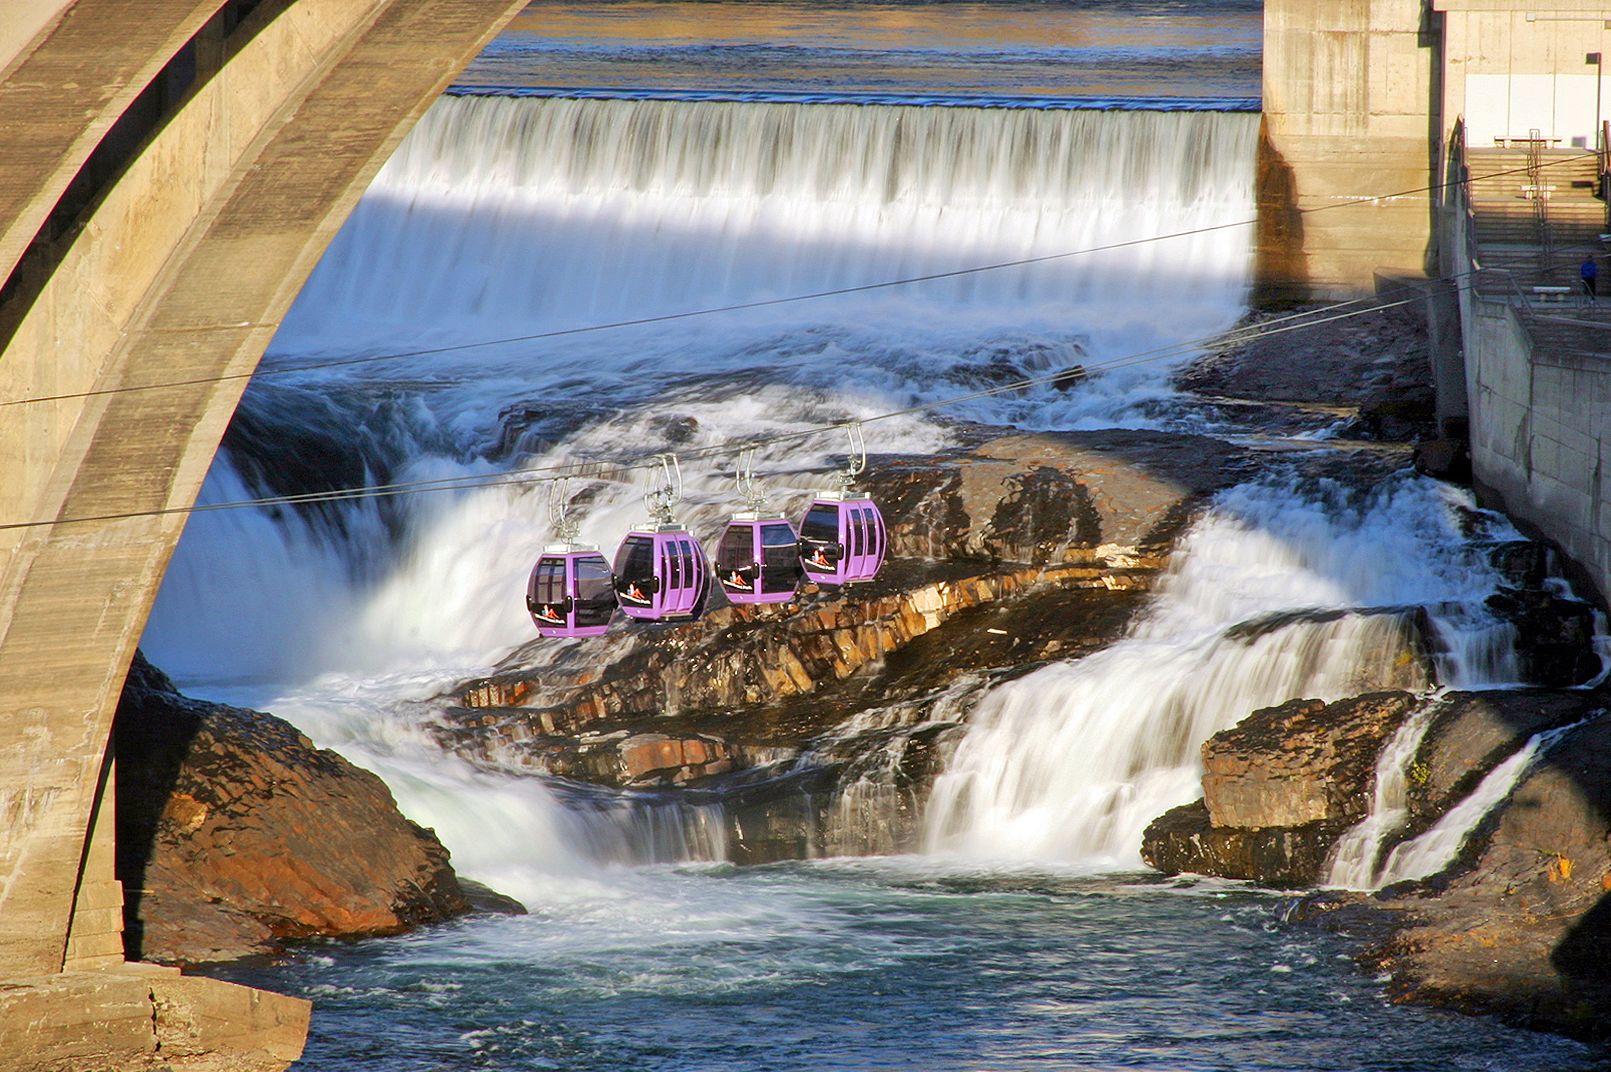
173 169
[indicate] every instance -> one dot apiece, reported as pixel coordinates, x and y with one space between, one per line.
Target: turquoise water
893 964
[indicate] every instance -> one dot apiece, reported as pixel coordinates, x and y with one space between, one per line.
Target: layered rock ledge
1517 923
234 833
1003 554
1280 788
1520 924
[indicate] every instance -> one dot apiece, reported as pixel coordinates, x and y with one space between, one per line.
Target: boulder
1184 841
1302 763
1279 789
1521 924
235 833
1445 459
1471 734
1554 635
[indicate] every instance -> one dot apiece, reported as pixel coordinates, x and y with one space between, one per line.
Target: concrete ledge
141 1016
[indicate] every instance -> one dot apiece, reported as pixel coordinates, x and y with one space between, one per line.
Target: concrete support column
1344 161
240 145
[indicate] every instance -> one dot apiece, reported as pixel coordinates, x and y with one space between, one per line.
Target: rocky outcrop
1279 788
235 833
1300 763
1014 550
1367 375
1554 635
1184 840
1520 924
1472 733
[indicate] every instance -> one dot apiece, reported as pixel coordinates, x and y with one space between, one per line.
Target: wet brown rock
1472 733
1444 459
1015 549
1279 788
651 758
235 833
1301 763
1183 840
1521 924
1554 636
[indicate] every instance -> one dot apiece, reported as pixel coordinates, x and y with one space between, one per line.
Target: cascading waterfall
1427 854
505 218
504 213
1071 762
509 220
508 217
1354 858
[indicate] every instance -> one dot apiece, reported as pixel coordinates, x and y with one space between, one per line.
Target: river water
608 163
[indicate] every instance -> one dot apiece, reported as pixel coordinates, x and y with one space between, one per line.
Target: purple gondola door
661 574
570 593
758 560
842 540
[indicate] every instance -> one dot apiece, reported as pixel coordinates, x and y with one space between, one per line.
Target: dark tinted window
690 572
779 535
736 551
635 560
780 559
595 595
549 585
821 523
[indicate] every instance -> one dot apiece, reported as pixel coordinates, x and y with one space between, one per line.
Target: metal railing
1604 186
1539 194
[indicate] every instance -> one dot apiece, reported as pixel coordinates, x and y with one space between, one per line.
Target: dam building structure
173 169
1458 149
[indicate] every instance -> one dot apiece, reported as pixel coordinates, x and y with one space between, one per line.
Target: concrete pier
174 169
1346 148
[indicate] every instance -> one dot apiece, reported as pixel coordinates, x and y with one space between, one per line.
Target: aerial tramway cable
622 471
557 333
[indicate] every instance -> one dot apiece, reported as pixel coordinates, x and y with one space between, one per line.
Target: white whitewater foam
505 218
1426 855
501 217
498 213
1070 763
1352 865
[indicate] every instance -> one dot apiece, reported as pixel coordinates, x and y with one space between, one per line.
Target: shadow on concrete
151 736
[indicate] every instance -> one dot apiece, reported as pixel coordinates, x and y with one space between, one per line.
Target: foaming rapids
513 218
1070 763
509 218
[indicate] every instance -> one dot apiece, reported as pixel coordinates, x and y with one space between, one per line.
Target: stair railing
1603 187
1468 261
1540 197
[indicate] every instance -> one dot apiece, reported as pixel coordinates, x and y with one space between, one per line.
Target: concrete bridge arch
172 171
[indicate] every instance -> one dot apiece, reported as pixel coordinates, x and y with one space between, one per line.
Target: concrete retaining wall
1541 434
1523 67
149 238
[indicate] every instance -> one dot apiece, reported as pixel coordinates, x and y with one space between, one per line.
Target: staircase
1538 223
1533 221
